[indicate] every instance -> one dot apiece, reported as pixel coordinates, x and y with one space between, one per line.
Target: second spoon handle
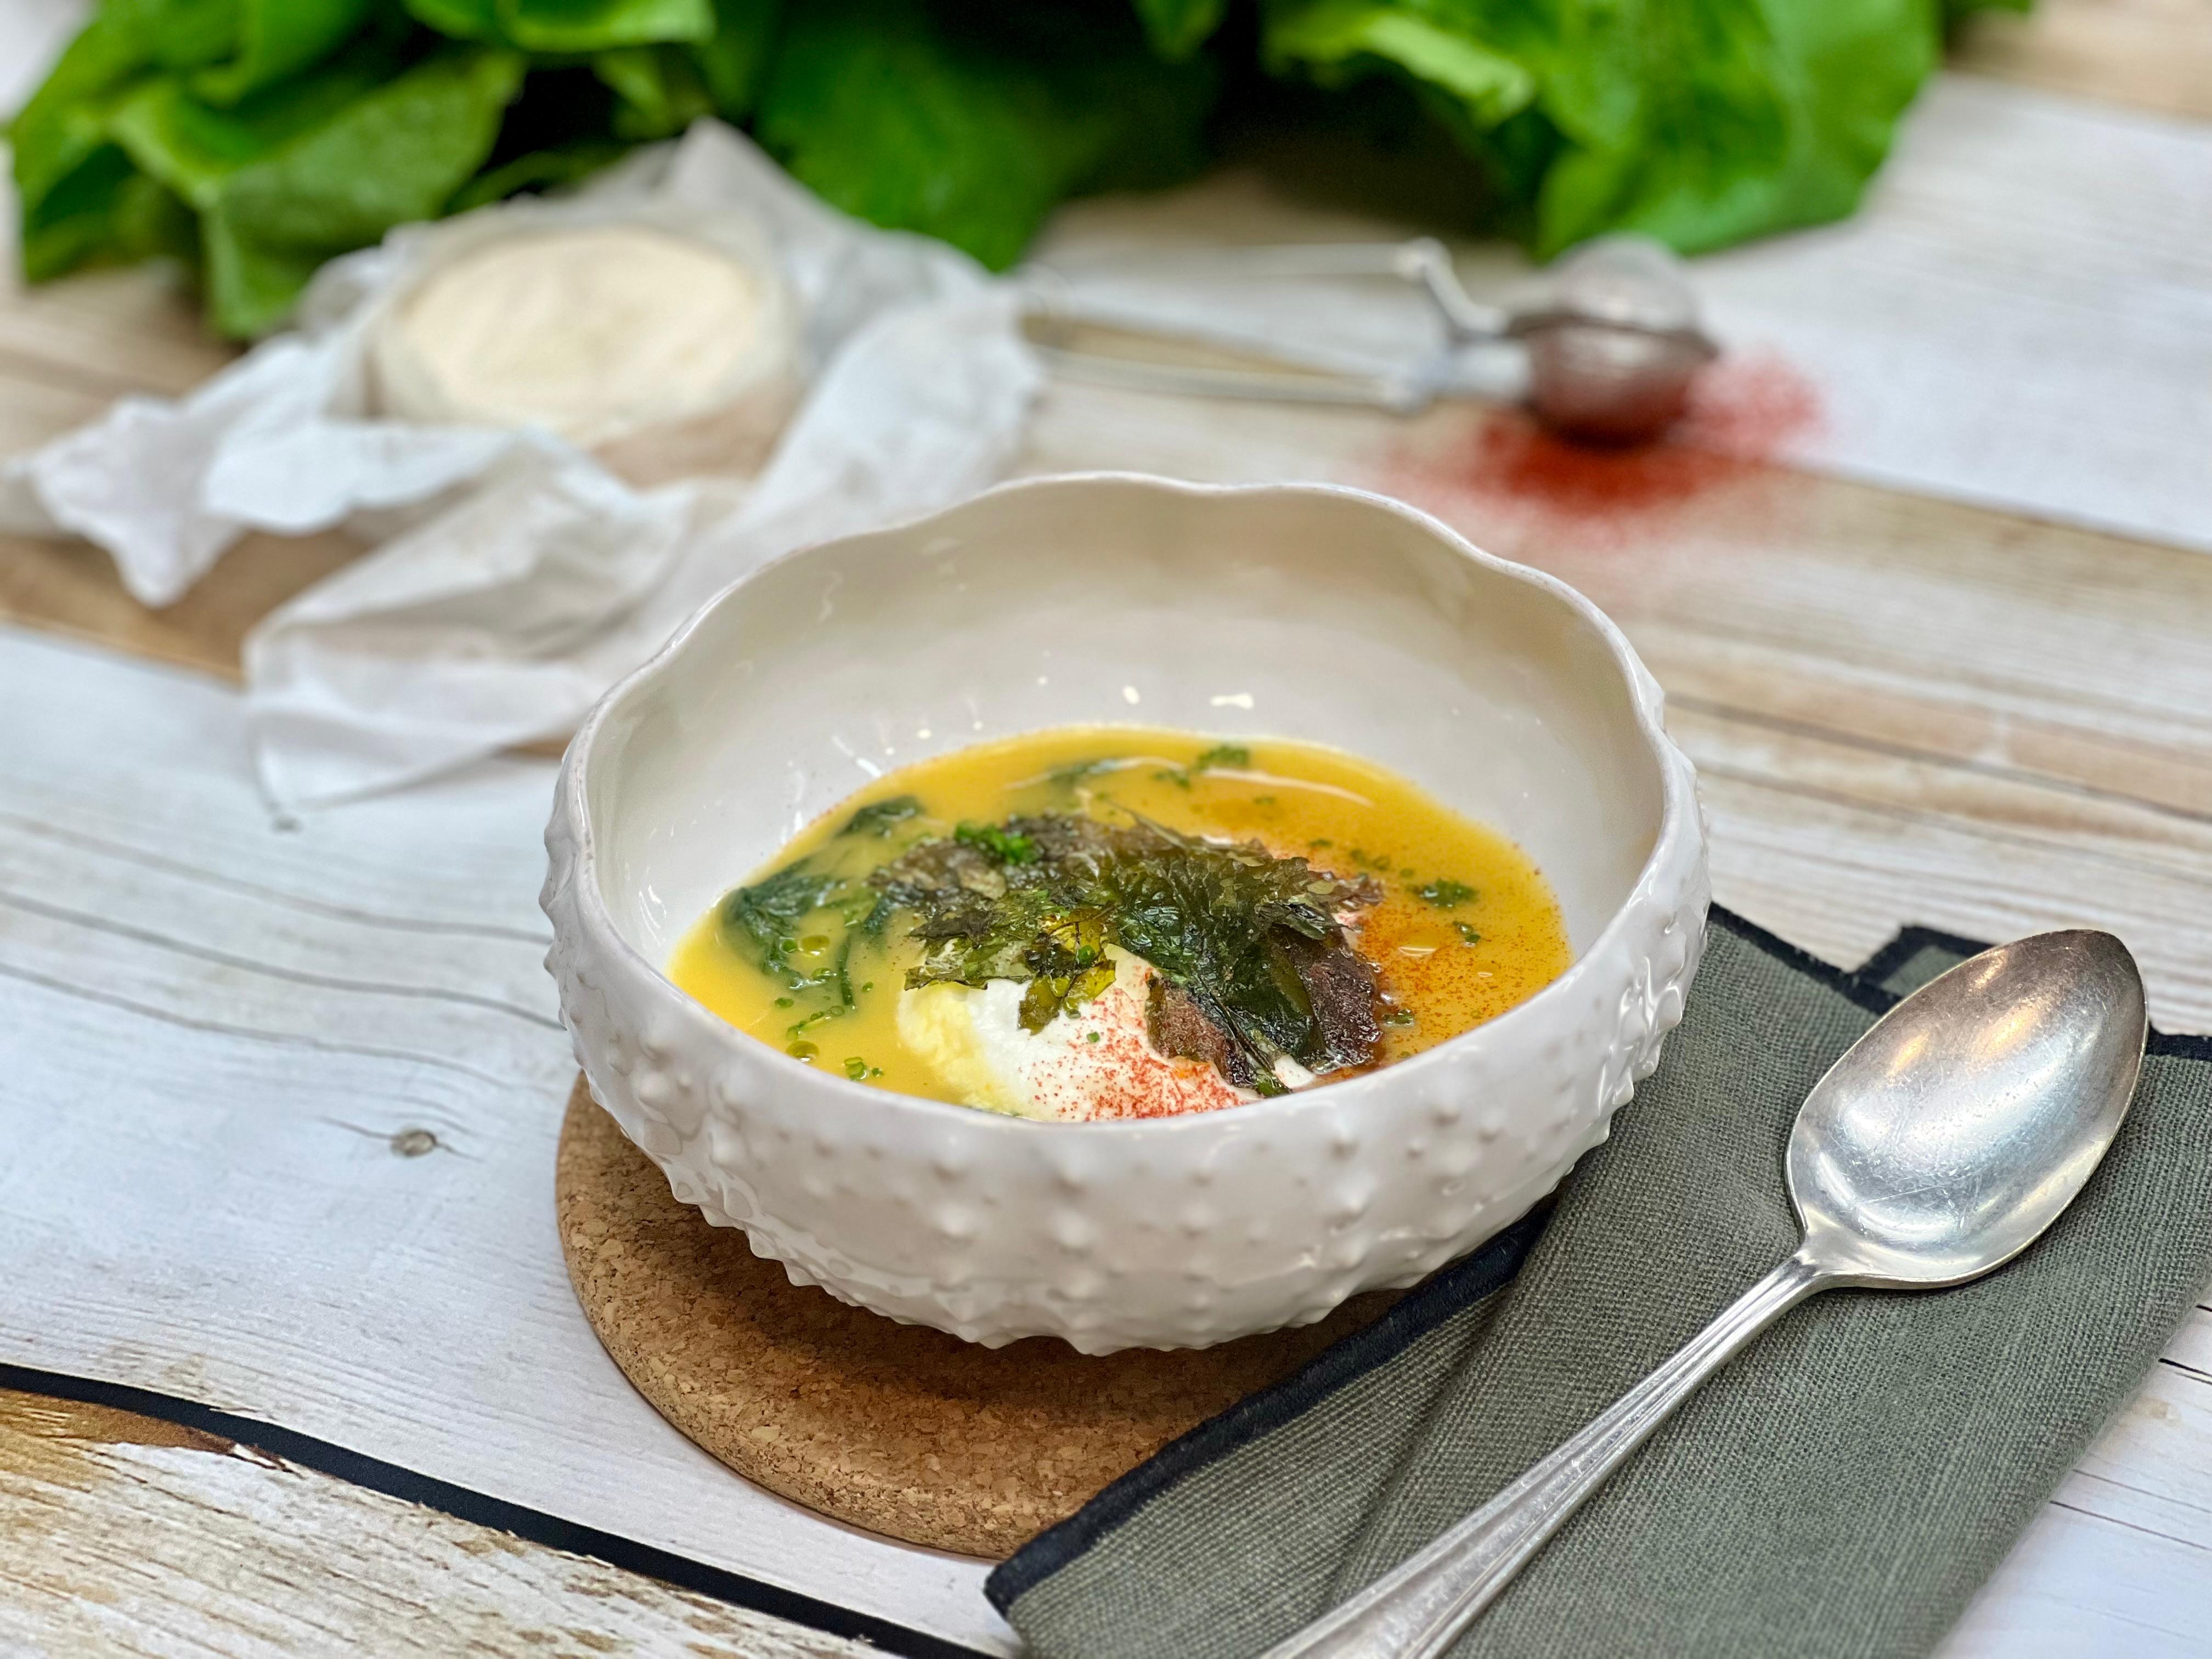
1416 1610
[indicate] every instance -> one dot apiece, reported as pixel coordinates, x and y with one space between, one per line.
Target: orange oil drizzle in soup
1465 928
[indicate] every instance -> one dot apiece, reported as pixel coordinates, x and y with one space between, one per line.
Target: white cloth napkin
524 577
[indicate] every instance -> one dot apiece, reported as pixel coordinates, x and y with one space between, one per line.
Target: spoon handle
1417 1609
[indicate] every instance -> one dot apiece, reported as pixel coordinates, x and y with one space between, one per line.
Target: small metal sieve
1610 353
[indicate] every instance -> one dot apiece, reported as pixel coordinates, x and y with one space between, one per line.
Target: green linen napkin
1841 1488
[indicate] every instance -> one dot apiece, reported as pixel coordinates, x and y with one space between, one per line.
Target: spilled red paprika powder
1743 410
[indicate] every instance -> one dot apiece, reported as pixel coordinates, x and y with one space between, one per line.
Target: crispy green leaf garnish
877 817
1250 943
1444 893
1001 846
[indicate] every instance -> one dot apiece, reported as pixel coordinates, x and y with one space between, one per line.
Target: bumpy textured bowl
1289 610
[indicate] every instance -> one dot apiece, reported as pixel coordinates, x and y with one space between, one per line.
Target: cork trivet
897 1428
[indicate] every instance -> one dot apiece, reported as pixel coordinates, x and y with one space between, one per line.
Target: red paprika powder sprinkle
1742 411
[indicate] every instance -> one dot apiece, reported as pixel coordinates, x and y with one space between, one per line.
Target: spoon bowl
1951 1134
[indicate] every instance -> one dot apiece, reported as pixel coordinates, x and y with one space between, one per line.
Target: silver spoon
1940 1145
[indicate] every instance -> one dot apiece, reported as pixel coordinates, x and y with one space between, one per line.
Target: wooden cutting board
897 1428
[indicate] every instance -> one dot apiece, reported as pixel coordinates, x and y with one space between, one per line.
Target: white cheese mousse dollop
1097 1063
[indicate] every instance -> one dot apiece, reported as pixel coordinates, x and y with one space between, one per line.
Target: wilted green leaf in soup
396 154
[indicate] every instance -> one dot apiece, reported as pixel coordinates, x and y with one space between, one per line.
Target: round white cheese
1096 1063
601 332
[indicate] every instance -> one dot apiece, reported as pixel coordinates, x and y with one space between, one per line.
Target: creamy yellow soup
1464 927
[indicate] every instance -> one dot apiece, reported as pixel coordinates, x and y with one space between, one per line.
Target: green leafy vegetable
1252 964
458 20
273 39
1698 124
536 169
255 138
195 148
396 154
767 913
1444 893
1178 28
1001 846
659 90
558 26
734 58
70 177
970 122
877 817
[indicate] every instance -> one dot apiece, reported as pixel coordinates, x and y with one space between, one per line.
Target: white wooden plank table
1902 709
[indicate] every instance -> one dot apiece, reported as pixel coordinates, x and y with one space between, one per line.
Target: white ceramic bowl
1293 611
